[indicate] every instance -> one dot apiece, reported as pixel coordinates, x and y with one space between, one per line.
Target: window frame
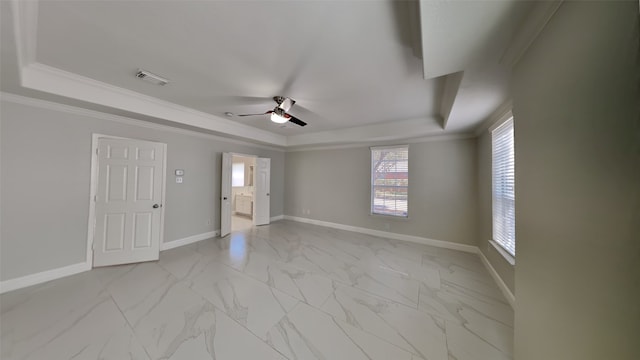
502 245
372 189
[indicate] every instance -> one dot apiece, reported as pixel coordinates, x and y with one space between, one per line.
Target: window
390 180
237 174
503 184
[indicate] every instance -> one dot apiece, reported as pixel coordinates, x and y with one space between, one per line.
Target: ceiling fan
279 114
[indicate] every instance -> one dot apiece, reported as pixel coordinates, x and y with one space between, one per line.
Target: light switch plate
179 172
179 180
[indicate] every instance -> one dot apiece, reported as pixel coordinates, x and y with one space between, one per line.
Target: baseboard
388 235
41 277
277 218
511 298
188 240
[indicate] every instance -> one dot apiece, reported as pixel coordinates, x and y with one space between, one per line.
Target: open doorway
242 192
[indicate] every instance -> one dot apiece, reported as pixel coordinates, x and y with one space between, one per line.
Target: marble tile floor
283 291
240 222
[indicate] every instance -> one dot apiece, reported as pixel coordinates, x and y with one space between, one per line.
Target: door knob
224 198
267 194
155 206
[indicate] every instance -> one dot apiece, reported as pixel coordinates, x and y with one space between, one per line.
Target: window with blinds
390 180
503 181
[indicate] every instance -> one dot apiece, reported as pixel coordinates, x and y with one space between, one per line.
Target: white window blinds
390 180
503 156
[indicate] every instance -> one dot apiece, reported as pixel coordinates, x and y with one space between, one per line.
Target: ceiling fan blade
296 121
268 112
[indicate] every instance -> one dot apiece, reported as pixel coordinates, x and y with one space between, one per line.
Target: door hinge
95 198
97 151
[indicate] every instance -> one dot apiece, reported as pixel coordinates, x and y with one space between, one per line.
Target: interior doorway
249 197
242 191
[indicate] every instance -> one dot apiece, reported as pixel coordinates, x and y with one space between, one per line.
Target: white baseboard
44 276
188 240
420 240
388 235
511 298
277 218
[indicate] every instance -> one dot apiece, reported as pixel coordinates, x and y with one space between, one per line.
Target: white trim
388 147
52 80
501 122
49 105
363 144
500 115
505 254
389 235
188 240
43 276
496 277
277 218
95 138
529 30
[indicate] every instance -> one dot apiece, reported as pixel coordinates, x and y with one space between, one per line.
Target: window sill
389 217
510 258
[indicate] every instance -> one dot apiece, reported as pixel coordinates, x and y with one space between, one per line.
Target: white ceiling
350 65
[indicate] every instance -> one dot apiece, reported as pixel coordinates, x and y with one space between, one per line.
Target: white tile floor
283 291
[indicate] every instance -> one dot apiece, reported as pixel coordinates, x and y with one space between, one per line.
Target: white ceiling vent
151 77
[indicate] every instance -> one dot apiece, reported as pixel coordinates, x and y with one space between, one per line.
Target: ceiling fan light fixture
278 118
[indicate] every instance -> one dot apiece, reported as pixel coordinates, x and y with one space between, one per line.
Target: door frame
93 185
253 197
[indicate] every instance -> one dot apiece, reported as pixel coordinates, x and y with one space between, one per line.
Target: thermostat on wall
179 172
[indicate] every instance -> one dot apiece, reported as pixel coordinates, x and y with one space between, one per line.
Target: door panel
262 195
144 180
130 179
225 195
114 232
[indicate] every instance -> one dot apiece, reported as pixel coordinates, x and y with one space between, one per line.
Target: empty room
335 180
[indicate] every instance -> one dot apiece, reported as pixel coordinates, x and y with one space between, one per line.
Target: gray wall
46 157
485 213
577 146
335 186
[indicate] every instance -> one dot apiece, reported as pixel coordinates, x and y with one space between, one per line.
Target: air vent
151 77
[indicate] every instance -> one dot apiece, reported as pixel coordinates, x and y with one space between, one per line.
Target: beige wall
577 144
45 162
485 213
334 185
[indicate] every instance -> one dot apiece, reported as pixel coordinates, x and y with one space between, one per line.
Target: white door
262 196
225 195
128 202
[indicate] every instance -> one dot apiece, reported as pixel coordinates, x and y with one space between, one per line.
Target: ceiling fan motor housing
283 102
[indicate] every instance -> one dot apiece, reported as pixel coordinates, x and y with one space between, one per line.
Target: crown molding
418 140
390 131
49 105
55 81
500 114
533 25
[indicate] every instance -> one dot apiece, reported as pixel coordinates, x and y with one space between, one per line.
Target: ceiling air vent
151 77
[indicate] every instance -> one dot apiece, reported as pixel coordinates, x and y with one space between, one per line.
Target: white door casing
128 201
262 191
225 195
